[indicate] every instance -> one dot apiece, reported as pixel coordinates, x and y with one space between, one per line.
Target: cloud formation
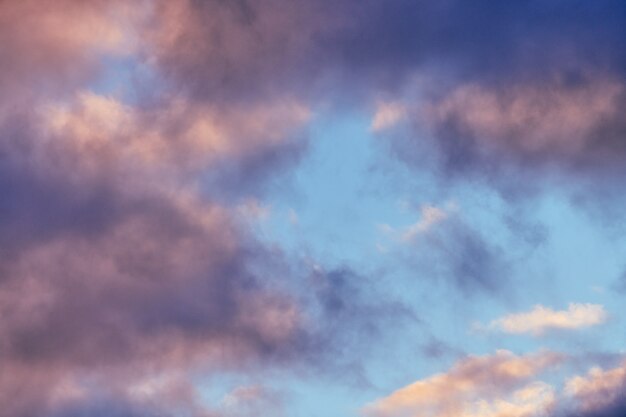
542 319
117 267
505 384
449 248
475 386
125 264
600 391
502 93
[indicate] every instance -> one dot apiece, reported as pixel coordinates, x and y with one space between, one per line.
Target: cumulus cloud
475 386
501 93
178 138
66 49
504 384
542 319
117 266
531 124
532 400
600 391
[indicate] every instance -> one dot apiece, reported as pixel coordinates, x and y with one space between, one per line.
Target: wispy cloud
387 115
430 216
542 319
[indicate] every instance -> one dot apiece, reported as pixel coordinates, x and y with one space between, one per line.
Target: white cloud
541 319
430 216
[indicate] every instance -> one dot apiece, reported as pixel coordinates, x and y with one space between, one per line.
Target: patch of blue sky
124 77
296 394
346 192
342 197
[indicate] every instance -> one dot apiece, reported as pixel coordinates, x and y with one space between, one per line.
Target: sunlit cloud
542 319
387 115
598 389
475 386
157 157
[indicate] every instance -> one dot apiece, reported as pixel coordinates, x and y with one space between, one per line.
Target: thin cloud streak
542 319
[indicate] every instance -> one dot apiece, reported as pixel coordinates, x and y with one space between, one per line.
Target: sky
305 208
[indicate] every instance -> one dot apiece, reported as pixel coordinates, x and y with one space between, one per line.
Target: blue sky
346 194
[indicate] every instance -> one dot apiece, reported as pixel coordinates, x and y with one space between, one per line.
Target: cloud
65 50
542 319
545 95
264 48
448 247
251 400
351 309
387 115
117 264
475 386
501 94
505 384
534 399
532 124
599 391
122 256
165 290
430 217
179 134
120 266
456 251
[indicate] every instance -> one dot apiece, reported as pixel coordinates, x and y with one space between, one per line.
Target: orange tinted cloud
460 390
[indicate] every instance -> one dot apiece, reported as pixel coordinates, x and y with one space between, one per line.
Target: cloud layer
125 264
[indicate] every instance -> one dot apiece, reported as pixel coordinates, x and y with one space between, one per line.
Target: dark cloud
512 92
147 293
351 309
114 269
253 175
614 409
598 394
259 48
455 252
473 262
350 301
503 89
107 408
